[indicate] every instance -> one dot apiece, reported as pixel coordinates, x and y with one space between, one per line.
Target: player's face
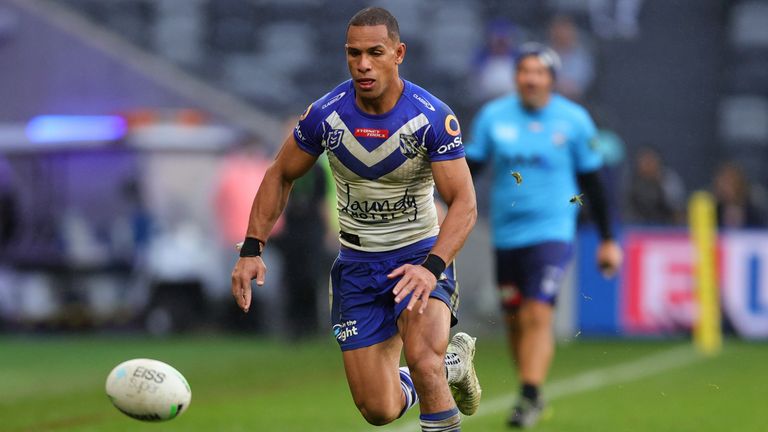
534 82
373 60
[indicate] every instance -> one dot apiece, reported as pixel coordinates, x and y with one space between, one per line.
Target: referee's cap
546 55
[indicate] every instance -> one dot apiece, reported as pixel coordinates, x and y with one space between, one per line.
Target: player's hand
414 279
246 269
609 257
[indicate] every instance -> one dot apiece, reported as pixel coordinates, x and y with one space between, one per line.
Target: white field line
590 380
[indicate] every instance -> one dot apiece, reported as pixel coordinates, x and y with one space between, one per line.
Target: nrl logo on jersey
334 138
409 145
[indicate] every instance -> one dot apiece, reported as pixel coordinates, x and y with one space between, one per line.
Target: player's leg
536 344
511 321
425 339
538 270
372 374
535 349
364 322
508 274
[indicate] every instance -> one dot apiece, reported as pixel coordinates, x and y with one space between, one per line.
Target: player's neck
536 105
384 103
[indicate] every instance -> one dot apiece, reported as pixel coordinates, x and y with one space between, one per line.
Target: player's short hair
546 55
373 16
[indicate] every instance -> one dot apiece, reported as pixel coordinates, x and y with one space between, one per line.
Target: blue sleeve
308 132
479 146
445 142
586 155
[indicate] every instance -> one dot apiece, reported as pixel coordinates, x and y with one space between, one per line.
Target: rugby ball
148 390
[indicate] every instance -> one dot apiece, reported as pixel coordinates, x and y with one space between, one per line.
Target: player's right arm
291 163
479 150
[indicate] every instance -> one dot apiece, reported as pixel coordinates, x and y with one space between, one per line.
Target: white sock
446 421
409 390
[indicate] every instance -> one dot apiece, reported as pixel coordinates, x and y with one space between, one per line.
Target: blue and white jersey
381 163
548 148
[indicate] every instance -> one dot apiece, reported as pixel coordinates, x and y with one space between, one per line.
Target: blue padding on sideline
597 298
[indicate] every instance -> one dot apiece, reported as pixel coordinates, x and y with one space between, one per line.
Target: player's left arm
609 255
454 184
588 161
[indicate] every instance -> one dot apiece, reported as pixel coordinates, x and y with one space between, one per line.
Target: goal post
707 329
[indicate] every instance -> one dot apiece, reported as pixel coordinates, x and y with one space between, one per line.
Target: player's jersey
547 148
381 163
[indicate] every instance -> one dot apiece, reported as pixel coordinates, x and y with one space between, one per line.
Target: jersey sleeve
308 131
479 146
445 141
586 154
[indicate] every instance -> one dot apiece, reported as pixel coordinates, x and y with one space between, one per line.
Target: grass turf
245 384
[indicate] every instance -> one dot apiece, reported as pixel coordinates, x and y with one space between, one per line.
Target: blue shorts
363 308
531 272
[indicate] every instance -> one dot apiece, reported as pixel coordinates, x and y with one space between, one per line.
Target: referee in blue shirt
539 145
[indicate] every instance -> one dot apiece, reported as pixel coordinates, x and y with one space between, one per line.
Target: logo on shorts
550 284
345 330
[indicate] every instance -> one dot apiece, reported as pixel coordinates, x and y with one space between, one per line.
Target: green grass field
243 384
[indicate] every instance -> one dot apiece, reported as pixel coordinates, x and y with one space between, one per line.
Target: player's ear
400 53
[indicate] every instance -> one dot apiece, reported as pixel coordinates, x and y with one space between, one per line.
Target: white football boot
459 360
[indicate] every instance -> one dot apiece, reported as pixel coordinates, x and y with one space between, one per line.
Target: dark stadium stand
743 111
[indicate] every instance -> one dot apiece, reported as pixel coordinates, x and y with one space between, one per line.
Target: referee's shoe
526 412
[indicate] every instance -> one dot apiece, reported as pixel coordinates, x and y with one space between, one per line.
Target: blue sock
411 398
446 421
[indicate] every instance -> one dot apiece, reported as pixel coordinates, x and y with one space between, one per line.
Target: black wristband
434 264
251 247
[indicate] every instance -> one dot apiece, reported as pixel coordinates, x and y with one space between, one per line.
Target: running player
393 287
538 144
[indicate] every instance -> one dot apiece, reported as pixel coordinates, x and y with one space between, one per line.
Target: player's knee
378 414
535 315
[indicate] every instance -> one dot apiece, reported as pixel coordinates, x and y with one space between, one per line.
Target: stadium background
128 129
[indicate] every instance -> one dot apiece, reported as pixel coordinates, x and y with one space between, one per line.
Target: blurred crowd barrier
655 294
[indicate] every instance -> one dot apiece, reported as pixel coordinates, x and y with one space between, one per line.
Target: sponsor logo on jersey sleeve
333 100
424 102
305 113
452 125
445 148
594 143
300 134
372 133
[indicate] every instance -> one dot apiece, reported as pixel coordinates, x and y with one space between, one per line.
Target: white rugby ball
148 390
